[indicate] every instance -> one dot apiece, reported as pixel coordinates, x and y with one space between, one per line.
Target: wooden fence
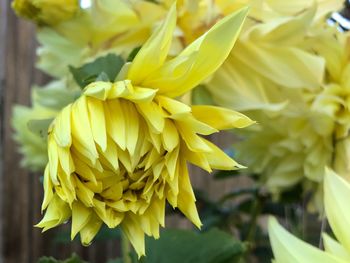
20 191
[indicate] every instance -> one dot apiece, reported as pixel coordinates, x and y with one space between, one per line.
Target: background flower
294 86
46 12
105 27
288 248
30 123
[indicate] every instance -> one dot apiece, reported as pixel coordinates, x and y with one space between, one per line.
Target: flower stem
125 245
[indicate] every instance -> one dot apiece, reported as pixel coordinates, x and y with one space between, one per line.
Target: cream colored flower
46 103
291 75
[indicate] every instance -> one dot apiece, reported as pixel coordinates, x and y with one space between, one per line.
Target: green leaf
174 246
39 127
201 96
73 259
109 66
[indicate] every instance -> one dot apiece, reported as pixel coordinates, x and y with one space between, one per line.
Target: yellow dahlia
289 249
119 152
297 89
46 12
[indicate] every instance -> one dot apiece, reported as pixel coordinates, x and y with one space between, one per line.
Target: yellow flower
119 152
106 27
289 249
285 149
291 75
252 76
46 12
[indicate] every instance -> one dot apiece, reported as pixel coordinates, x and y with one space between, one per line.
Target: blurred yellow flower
46 12
291 75
289 249
106 27
119 152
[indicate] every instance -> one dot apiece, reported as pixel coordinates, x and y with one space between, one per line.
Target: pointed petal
334 248
48 189
194 142
199 60
289 249
115 122
153 115
57 213
186 200
131 125
62 130
53 159
197 158
66 161
217 159
81 128
336 196
90 230
80 217
135 234
154 52
175 108
170 136
97 122
111 154
220 118
99 90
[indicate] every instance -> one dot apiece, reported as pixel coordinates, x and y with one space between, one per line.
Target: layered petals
199 60
120 151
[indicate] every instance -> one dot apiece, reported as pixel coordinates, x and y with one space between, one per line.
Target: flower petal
80 217
289 249
220 118
154 52
135 234
186 200
99 126
217 159
90 230
62 130
199 59
333 247
336 196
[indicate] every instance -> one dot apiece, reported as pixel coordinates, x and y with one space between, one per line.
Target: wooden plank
3 23
15 179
